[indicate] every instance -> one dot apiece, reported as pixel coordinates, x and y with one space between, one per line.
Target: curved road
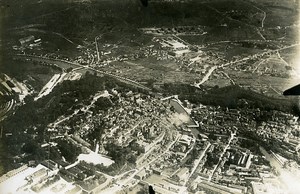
212 69
51 60
6 108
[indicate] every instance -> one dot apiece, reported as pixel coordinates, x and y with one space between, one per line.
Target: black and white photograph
149 96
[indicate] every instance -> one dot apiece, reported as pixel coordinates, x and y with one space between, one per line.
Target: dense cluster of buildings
220 166
176 158
134 119
52 177
239 168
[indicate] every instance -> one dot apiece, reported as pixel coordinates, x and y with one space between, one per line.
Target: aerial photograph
149 96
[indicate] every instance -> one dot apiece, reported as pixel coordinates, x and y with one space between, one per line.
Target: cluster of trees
96 133
33 151
192 157
112 170
133 145
34 116
119 154
230 97
5 161
180 89
251 145
212 136
211 160
68 150
103 103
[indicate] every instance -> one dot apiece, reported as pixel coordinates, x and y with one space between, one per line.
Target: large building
182 175
174 46
26 40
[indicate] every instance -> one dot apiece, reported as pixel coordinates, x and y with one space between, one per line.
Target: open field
151 69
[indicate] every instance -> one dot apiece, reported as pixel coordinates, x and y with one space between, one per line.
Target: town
183 96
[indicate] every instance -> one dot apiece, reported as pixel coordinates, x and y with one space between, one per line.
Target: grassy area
280 15
36 74
153 64
161 71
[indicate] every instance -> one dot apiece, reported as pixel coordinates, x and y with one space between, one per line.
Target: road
270 52
206 77
197 163
263 20
220 159
97 49
274 163
264 13
6 109
69 63
230 79
257 66
83 109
